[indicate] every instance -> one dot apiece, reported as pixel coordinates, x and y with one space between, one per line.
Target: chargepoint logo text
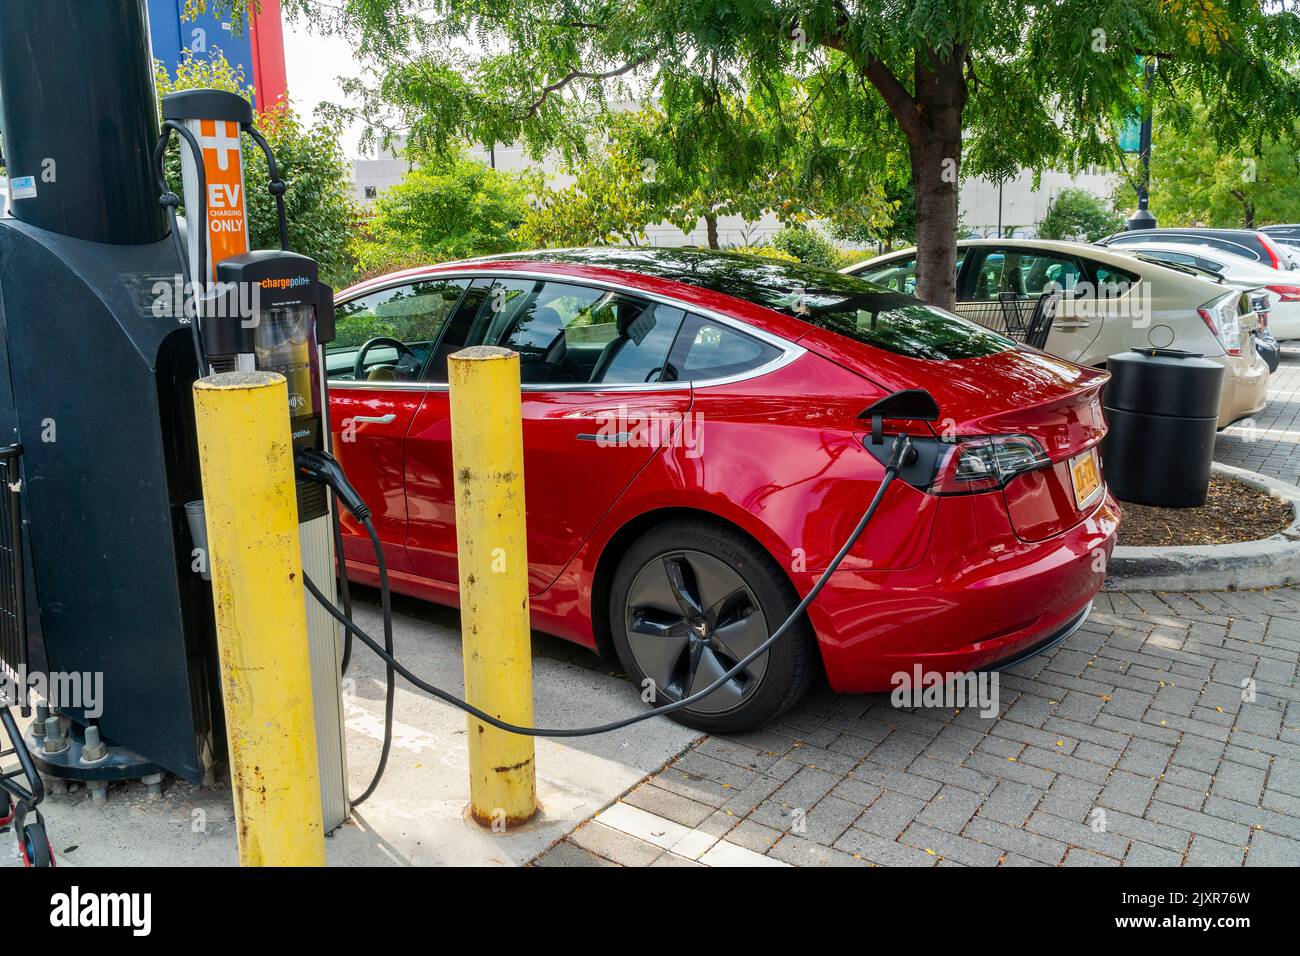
287 282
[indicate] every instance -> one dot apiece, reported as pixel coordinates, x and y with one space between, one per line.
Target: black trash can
1162 406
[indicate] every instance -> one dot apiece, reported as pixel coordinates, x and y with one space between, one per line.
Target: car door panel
375 391
581 450
1002 286
584 441
368 429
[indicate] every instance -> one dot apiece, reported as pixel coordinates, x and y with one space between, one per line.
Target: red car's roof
989 380
614 265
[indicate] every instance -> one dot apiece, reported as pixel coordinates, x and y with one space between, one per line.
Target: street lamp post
1143 218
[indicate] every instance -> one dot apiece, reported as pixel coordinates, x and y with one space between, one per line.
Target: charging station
97 367
109 315
266 310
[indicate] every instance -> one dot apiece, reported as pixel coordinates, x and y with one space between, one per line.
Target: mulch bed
1233 512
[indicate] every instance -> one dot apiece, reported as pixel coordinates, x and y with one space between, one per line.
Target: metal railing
1025 318
13 606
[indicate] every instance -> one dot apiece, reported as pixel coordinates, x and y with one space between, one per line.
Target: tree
974 88
647 166
711 153
605 204
448 207
1076 214
310 160
1197 181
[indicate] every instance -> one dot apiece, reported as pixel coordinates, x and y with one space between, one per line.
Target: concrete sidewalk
416 815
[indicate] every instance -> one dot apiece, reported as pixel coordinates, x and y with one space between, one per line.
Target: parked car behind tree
1111 302
1282 285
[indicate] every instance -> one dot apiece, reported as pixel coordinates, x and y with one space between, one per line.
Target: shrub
807 246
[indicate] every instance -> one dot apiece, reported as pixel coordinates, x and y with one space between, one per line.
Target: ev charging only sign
224 169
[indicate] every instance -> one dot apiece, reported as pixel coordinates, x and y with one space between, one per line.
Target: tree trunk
930 117
934 148
711 227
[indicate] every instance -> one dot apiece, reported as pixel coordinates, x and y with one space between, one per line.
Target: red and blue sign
257 48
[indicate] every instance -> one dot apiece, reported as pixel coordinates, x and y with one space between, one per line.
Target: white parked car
1283 285
1108 302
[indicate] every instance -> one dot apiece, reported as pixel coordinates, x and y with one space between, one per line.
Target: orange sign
223 167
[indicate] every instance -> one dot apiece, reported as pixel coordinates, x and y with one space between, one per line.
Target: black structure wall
79 116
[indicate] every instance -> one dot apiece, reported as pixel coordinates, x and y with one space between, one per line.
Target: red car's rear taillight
987 463
1285 293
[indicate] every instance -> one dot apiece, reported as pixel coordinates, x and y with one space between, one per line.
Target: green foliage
449 207
1195 181
1076 214
975 87
651 166
807 246
605 204
767 252
849 257
310 160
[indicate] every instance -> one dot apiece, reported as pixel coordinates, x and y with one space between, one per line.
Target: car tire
674 571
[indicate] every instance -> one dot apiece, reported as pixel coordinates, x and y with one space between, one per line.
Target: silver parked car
1106 302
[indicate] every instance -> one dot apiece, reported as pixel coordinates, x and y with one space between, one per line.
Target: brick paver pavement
1129 744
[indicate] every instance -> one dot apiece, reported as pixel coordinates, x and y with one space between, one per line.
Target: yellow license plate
1085 475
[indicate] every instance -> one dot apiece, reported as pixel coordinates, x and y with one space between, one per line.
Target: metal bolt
98 790
153 783
94 748
54 740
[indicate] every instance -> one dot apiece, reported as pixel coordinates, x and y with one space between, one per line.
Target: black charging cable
323 468
170 201
275 185
898 453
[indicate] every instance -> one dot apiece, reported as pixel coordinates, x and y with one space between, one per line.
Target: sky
314 63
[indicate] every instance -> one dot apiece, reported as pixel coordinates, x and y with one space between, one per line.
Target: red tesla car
694 458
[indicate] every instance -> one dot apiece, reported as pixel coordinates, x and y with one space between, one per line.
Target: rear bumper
982 599
1245 388
1284 320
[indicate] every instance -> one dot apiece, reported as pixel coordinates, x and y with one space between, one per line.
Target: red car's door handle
375 419
620 438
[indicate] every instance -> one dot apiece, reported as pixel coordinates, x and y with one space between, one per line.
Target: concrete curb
1268 562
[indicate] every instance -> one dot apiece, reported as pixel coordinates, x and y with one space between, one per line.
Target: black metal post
1144 218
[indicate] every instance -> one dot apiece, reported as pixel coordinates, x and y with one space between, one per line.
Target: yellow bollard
246 459
487 453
